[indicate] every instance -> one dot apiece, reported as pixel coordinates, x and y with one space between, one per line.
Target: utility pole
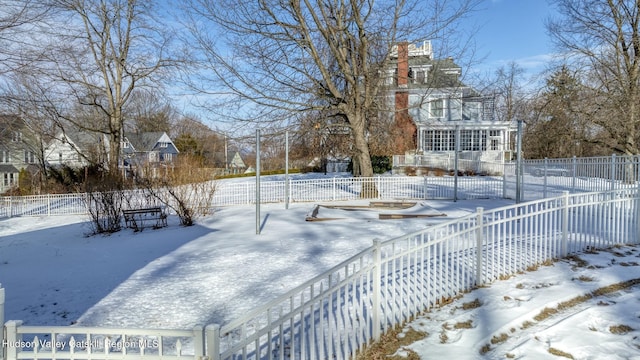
258 182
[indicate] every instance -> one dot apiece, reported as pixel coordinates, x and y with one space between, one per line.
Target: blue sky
513 30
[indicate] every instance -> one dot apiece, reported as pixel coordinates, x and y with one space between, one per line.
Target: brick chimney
406 131
403 64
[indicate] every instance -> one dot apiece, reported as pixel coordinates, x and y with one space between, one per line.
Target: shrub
105 200
381 164
185 189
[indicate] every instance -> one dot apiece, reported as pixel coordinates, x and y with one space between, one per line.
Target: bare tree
197 140
17 19
148 111
603 39
509 92
286 57
26 99
99 52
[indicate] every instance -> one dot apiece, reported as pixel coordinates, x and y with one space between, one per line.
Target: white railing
550 177
336 314
541 179
468 162
70 342
239 193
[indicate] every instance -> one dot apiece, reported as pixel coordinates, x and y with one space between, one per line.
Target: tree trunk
362 159
114 149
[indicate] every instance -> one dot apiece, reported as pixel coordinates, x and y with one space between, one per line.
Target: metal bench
136 218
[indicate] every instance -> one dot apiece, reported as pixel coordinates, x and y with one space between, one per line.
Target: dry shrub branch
105 200
186 189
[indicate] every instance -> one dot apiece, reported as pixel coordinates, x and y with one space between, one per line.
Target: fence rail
239 193
540 179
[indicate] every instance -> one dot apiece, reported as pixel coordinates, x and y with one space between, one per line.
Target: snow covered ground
568 308
215 271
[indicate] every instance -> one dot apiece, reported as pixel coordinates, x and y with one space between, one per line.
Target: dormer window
16 136
164 144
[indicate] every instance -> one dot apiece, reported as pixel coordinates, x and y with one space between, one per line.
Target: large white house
75 150
429 92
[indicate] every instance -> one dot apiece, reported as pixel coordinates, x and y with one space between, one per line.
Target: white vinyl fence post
334 188
199 350
612 175
565 224
12 339
546 164
212 339
377 289
426 187
574 167
479 241
48 204
10 206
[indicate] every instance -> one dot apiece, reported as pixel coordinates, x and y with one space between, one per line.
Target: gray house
18 151
148 151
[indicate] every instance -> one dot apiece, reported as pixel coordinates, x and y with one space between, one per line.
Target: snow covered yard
178 277
583 307
217 270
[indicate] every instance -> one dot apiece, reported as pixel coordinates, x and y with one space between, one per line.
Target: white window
17 136
437 108
29 157
473 140
168 157
164 144
438 140
9 179
4 156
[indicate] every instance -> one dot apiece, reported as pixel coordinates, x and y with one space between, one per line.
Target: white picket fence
336 314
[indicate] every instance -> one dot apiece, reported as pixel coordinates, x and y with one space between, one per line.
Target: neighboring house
432 105
231 162
148 150
76 149
17 151
79 149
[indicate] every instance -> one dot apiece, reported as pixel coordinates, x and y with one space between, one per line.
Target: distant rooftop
415 50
